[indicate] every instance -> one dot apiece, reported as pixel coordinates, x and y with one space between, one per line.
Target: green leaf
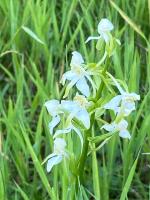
2 186
33 35
37 164
98 139
128 20
129 180
23 194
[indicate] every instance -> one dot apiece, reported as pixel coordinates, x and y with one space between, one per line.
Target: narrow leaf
129 180
33 35
128 20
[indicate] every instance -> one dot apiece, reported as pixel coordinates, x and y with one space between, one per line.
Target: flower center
81 100
78 70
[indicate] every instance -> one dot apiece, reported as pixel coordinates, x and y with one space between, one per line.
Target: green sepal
99 139
91 65
112 45
100 44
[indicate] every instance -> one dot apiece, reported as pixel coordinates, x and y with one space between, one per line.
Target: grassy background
30 74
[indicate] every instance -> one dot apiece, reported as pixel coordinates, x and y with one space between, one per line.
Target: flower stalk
88 132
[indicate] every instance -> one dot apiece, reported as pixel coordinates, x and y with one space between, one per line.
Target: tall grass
32 60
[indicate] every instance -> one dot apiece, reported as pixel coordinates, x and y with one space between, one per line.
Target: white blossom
124 103
121 127
78 75
104 29
75 109
58 154
54 109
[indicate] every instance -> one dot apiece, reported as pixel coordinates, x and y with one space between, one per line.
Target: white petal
52 107
59 144
77 59
105 25
122 125
114 103
83 87
67 76
48 157
63 131
105 36
70 106
84 117
109 127
53 123
92 38
125 134
135 96
93 85
128 107
70 85
79 134
53 161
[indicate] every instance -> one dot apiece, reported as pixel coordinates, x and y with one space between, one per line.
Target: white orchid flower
124 103
77 76
58 153
76 109
54 109
121 127
104 29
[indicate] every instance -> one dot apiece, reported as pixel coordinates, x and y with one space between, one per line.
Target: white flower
58 154
76 109
77 76
104 29
54 109
121 127
124 103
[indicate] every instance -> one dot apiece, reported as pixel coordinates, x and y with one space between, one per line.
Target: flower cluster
74 115
122 105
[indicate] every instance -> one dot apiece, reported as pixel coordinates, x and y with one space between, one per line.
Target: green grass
31 65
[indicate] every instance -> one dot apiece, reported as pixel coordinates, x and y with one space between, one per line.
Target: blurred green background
29 74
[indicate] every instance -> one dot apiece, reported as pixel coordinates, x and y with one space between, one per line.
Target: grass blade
37 164
128 20
33 35
129 180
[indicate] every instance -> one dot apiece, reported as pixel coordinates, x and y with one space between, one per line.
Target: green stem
88 132
102 83
85 150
